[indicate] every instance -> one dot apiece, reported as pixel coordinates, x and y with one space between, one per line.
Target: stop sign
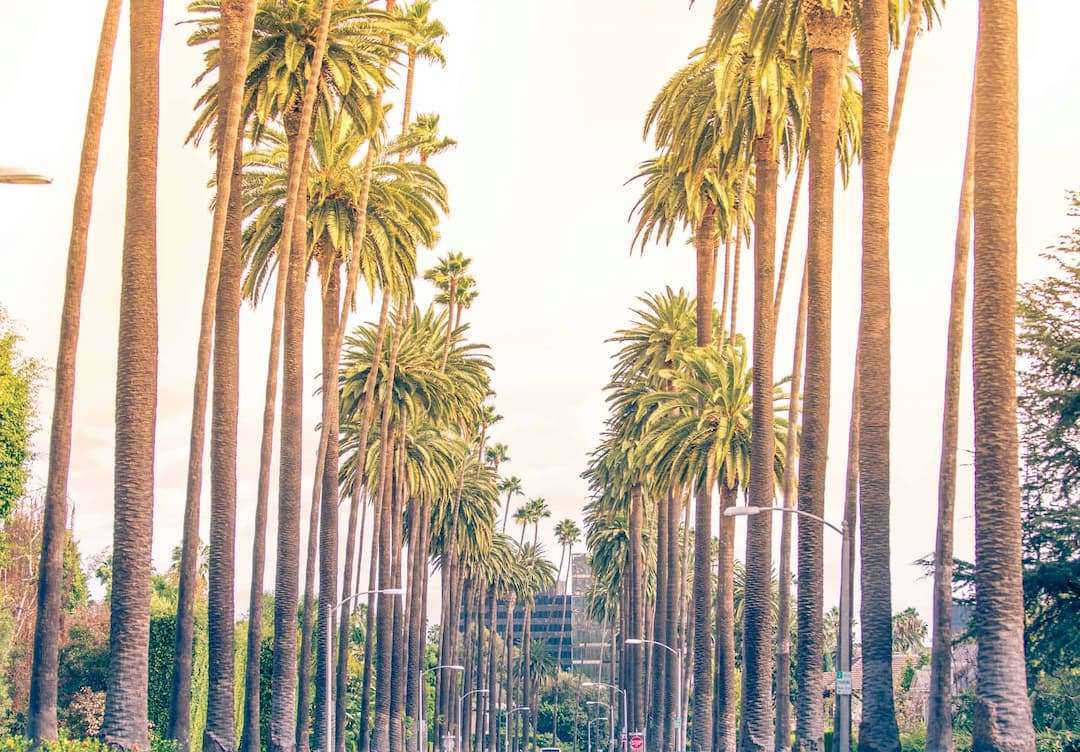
637 741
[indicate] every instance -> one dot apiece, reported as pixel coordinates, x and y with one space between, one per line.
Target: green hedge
162 647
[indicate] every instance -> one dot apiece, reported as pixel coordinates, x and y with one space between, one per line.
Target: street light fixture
588 730
460 706
19 176
506 716
421 722
843 700
625 717
680 725
329 710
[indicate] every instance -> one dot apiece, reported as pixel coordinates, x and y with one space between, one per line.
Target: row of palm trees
779 83
307 179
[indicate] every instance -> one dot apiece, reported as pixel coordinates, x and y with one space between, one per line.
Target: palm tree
273 91
495 455
290 291
222 283
679 190
125 722
1003 715
878 729
939 708
567 533
783 636
539 510
446 275
424 36
703 426
511 487
663 325
41 720
522 517
423 138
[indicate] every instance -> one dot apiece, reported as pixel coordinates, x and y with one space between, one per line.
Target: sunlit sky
546 100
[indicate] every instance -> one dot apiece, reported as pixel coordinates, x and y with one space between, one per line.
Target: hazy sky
546 100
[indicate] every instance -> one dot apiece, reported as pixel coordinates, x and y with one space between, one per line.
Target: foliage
162 646
19 380
909 631
1049 411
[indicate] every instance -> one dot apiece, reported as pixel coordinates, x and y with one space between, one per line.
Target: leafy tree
19 378
1049 409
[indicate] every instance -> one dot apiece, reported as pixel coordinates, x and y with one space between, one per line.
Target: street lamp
506 715
19 176
329 709
611 722
588 731
625 717
843 700
421 722
680 740
460 706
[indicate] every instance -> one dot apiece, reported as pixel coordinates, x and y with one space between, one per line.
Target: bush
83 716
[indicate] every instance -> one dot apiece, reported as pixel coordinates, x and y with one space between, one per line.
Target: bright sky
546 101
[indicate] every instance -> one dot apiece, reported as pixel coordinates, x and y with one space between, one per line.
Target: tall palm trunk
493 688
657 658
726 286
41 714
939 713
237 20
328 516
220 727
406 102
878 728
789 233
526 676
740 200
125 722
676 577
726 701
378 565
914 19
509 645
467 683
397 666
636 655
307 613
706 280
384 612
758 656
384 608
351 540
851 521
828 36
1002 713
364 740
292 252
783 617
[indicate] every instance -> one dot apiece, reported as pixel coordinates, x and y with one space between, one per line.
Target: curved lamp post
843 701
329 712
506 715
19 176
588 729
421 721
680 725
460 706
625 717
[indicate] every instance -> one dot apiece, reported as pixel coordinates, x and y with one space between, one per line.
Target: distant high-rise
591 643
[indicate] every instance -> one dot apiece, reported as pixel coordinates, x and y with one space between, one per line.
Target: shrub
84 715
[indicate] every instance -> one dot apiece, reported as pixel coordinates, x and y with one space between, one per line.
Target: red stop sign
637 741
